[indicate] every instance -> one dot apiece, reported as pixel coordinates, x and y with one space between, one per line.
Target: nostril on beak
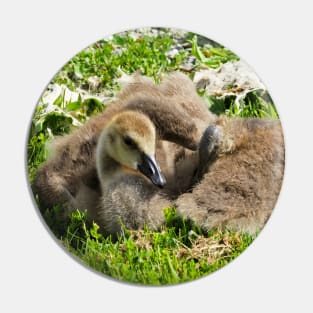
151 169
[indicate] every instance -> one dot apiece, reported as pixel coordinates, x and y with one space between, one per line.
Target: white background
275 273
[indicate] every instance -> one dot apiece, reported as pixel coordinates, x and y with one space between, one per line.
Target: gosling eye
129 142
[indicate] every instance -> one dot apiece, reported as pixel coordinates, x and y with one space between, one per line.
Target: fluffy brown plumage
232 180
238 188
69 177
125 158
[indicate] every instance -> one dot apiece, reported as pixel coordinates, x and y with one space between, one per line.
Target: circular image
155 156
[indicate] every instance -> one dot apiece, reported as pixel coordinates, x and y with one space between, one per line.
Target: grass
179 252
252 105
107 58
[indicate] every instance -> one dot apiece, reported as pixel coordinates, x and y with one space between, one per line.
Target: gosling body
237 188
69 178
231 179
125 159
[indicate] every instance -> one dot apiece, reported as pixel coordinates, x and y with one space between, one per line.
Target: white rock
237 74
172 53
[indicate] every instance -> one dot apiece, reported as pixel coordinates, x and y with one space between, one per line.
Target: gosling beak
150 168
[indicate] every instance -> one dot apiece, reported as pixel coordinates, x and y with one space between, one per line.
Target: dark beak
150 168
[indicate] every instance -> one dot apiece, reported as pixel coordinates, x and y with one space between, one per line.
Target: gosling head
129 139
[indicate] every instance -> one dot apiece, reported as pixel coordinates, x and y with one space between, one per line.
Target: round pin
155 156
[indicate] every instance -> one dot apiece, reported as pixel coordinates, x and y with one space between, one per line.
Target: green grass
106 58
252 105
179 252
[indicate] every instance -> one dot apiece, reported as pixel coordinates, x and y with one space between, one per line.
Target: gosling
129 175
69 177
236 184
